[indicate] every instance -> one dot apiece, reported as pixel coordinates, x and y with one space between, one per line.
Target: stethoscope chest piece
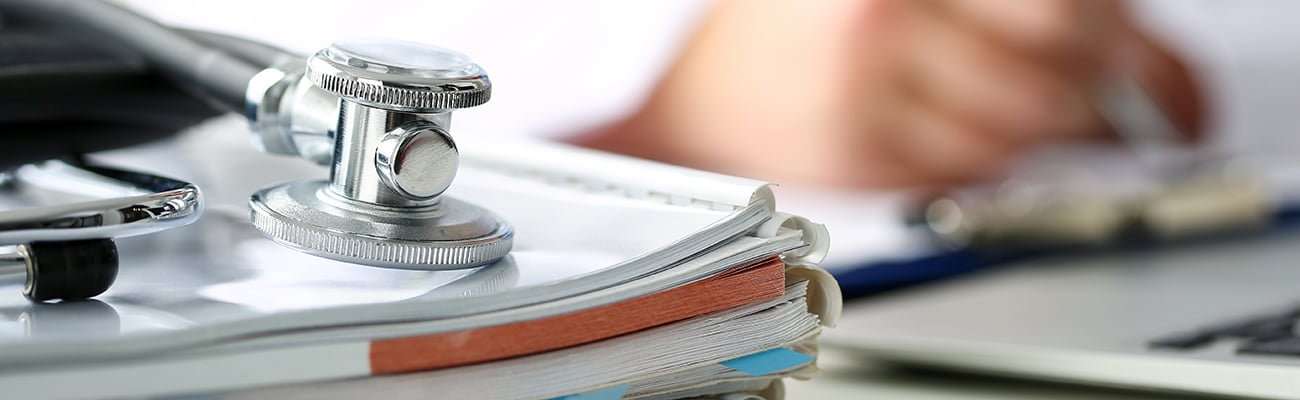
393 158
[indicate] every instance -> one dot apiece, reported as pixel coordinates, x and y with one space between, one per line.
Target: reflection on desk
845 377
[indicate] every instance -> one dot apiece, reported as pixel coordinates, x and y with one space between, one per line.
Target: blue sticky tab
768 361
610 393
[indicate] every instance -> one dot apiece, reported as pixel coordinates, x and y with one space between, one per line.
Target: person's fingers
1080 40
1169 81
940 149
1065 29
987 87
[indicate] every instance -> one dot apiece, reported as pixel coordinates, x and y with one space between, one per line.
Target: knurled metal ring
384 95
453 235
398 75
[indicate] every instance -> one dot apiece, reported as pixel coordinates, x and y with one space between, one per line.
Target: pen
1139 122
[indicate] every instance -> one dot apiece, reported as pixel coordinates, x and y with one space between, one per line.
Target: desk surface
845 377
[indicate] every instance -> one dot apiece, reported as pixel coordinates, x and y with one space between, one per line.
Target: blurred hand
890 93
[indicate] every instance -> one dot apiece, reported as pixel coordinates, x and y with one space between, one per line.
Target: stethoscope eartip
69 270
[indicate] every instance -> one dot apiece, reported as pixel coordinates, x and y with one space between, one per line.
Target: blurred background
933 137
569 67
863 111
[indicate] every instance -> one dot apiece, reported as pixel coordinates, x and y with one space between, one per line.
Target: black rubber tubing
216 73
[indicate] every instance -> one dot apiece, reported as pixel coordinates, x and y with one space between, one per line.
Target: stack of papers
628 279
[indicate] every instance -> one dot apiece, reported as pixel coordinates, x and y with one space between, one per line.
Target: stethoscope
377 112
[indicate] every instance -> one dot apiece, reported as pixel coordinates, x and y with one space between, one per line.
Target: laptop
1211 318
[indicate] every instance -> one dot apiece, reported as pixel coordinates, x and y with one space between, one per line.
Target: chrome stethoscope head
378 113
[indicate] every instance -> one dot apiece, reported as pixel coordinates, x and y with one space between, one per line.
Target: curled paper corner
764 193
814 234
824 296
